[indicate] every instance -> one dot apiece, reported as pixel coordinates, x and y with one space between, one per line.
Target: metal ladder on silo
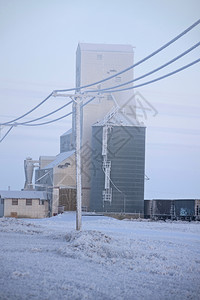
107 192
110 114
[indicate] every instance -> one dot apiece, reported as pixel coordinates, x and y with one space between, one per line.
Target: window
28 201
41 202
14 201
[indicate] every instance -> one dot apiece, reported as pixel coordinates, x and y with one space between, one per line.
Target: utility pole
78 100
78 164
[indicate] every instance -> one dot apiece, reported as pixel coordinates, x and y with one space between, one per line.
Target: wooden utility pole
78 100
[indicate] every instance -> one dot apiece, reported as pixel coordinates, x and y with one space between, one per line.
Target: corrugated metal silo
118 163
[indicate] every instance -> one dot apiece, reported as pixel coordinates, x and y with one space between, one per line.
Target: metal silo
29 166
118 162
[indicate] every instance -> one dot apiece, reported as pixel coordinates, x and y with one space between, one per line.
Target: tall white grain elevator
111 114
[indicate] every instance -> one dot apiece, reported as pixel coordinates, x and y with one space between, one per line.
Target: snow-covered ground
108 259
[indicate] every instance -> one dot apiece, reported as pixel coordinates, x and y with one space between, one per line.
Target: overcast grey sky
38 41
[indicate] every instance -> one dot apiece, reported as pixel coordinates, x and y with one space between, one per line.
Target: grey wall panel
126 151
66 143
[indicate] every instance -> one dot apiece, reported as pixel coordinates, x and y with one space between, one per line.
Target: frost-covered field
108 259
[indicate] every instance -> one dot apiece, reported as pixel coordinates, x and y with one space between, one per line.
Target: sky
38 41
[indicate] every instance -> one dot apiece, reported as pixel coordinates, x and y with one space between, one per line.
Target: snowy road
108 259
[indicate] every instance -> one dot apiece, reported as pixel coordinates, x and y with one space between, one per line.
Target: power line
151 72
118 90
6 134
156 79
108 78
45 123
87 102
62 117
138 63
47 115
30 111
111 89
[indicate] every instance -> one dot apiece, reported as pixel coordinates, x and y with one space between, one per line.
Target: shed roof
67 132
23 195
59 158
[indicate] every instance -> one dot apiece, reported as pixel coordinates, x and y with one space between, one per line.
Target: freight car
174 209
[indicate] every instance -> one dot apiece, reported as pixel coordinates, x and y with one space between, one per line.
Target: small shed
24 204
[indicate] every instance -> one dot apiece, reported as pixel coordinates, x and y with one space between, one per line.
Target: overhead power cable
149 73
138 63
55 120
156 79
110 77
88 102
48 122
1 140
47 115
30 111
109 90
113 91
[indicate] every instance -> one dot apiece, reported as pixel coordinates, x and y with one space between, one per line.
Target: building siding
36 210
94 62
127 169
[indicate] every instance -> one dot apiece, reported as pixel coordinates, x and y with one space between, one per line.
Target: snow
108 259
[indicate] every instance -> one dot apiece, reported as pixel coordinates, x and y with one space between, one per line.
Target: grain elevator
113 141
